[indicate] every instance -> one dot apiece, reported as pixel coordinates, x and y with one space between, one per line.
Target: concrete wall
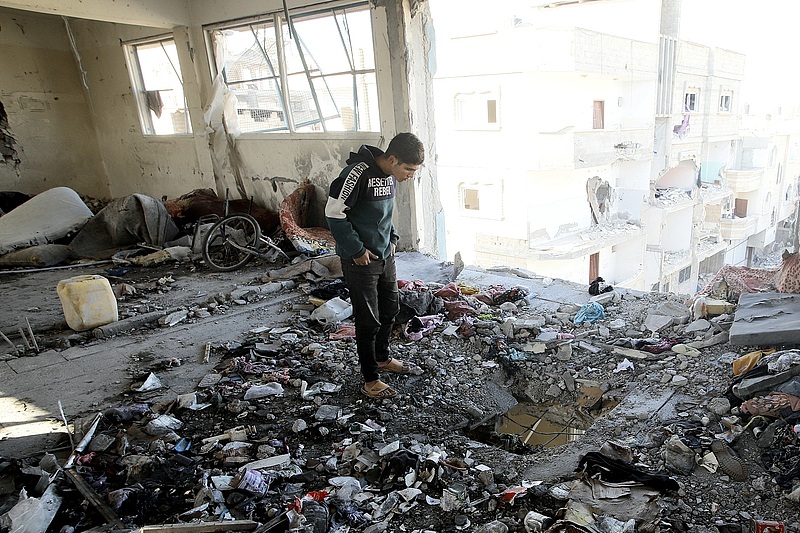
155 165
92 140
48 114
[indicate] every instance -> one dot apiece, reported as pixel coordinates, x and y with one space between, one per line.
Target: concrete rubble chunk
173 319
673 309
656 323
701 324
679 381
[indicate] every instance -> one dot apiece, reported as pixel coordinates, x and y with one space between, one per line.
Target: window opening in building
158 85
740 208
685 274
491 111
471 199
594 266
690 101
598 115
477 111
725 103
312 73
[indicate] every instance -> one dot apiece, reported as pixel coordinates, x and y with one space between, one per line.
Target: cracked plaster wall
48 114
268 167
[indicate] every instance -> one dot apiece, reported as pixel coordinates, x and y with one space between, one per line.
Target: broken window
477 110
158 84
314 72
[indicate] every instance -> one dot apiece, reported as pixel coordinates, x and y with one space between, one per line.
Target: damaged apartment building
593 147
606 148
563 143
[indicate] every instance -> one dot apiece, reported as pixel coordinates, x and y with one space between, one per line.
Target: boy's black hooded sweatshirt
360 207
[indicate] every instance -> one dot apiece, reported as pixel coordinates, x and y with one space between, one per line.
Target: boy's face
401 171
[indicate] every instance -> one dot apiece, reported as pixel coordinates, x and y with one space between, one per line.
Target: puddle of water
551 424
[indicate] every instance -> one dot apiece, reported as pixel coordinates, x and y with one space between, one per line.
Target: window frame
469 105
685 274
695 92
489 198
276 21
140 91
726 102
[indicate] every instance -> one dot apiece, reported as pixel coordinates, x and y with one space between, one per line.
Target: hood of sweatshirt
366 154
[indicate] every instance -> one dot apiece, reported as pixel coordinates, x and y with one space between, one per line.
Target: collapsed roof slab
766 318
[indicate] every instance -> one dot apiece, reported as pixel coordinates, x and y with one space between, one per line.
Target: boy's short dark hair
407 148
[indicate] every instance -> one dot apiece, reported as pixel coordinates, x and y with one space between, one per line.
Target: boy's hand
365 259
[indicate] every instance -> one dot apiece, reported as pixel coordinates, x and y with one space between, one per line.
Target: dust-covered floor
252 410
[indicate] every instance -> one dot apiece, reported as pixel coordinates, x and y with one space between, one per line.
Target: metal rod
30 332
84 442
24 338
13 346
66 424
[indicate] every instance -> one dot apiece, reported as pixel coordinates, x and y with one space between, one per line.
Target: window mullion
286 102
348 51
144 111
180 80
272 69
296 37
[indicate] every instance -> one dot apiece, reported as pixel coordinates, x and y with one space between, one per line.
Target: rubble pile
686 433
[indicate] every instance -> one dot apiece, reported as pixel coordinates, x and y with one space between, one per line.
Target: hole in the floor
527 427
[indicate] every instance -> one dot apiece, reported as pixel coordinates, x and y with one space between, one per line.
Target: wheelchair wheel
231 242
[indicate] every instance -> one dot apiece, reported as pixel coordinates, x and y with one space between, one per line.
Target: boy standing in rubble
359 213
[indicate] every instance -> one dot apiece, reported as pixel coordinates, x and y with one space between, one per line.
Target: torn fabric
126 221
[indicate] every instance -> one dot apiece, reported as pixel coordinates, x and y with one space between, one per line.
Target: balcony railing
743 180
736 229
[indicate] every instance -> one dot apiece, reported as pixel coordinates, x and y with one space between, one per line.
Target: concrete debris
267 429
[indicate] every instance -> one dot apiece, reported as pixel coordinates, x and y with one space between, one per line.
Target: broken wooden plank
97 502
200 527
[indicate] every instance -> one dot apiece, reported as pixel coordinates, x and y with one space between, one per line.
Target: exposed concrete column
194 68
419 213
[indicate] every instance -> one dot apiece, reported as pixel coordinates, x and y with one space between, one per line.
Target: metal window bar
142 103
272 70
324 80
348 50
293 34
180 80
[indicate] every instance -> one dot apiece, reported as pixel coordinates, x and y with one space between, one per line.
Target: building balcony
672 200
741 181
737 229
709 247
602 147
714 193
786 209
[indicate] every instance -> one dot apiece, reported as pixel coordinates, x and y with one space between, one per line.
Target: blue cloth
591 312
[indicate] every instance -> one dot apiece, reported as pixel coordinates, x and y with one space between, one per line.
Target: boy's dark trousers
375 301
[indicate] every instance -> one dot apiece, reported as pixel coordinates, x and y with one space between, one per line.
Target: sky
764 30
